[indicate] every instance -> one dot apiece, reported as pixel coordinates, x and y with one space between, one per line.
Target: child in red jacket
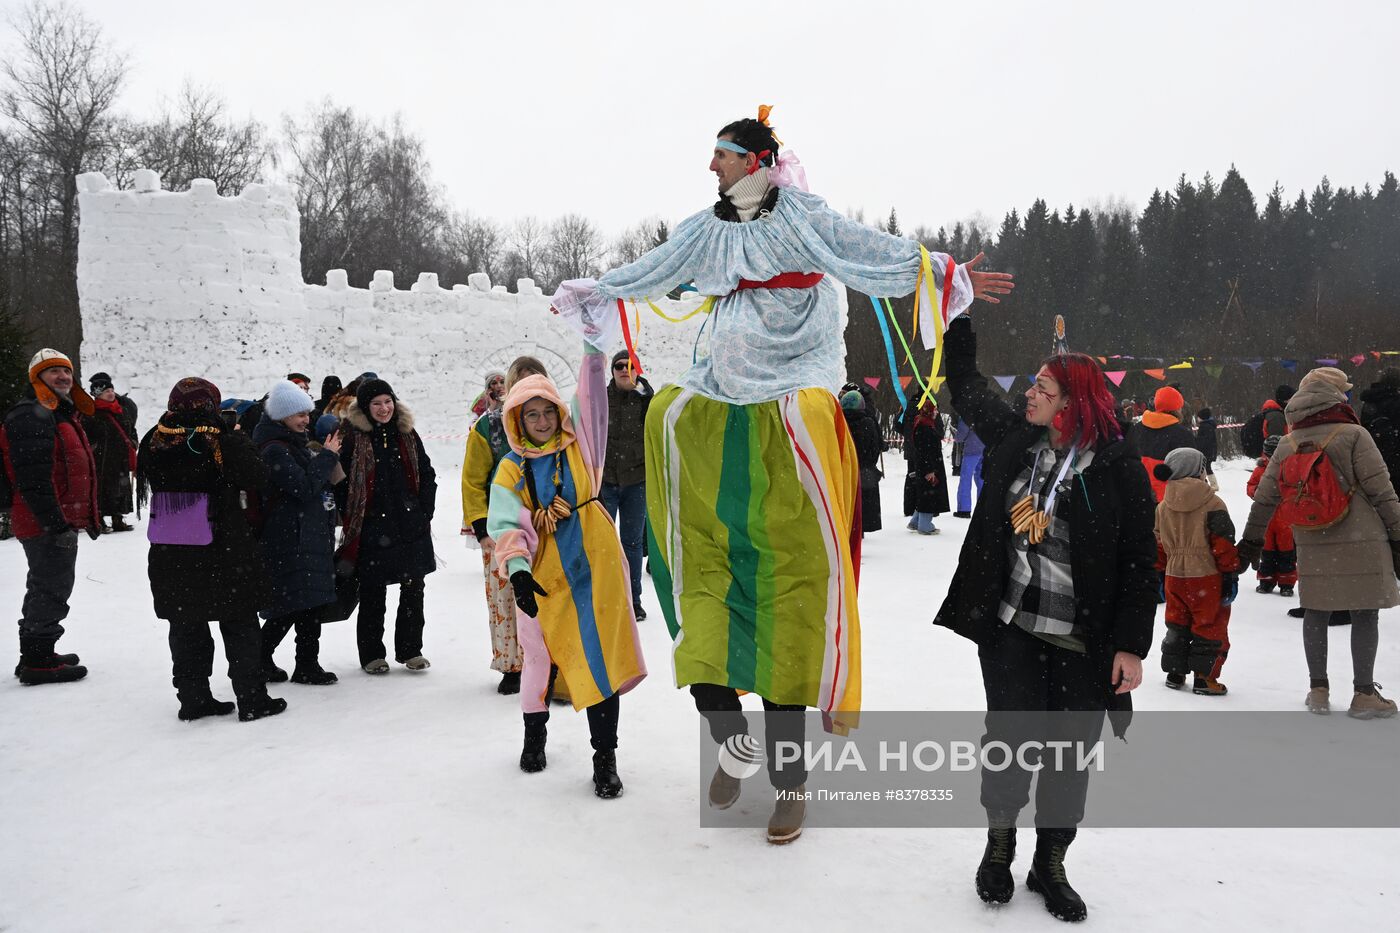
1196 549
1278 565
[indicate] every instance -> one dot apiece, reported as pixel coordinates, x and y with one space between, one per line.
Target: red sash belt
785 280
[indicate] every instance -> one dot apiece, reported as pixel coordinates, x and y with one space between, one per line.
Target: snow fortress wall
194 283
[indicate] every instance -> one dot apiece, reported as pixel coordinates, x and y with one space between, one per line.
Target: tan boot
1208 687
785 825
1318 701
724 790
1371 705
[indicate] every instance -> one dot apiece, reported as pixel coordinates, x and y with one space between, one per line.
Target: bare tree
474 244
59 86
197 139
638 240
528 242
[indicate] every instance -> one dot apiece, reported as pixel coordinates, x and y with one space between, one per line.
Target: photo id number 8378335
920 793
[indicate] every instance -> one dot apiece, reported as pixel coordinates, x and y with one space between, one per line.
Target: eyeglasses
535 417
621 367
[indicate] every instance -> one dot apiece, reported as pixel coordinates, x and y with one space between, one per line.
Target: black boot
510 683
271 673
532 755
1047 875
39 665
606 783
994 882
254 703
197 701
119 524
313 674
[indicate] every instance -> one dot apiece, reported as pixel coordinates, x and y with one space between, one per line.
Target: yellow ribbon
926 275
706 307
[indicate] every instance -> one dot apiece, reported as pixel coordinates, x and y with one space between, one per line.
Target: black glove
525 591
1229 588
94 531
67 538
1250 552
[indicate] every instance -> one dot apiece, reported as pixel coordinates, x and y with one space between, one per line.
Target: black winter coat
109 433
624 462
227 578
1113 549
396 541
925 456
1380 414
865 434
1206 441
298 534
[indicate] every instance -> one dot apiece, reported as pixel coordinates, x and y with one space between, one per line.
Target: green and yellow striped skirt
750 510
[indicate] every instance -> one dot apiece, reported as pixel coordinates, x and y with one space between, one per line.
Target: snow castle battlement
173 284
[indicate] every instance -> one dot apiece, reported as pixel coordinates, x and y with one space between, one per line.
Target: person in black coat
205 564
624 487
1208 443
1061 625
298 533
1380 414
330 387
111 429
388 500
926 484
865 433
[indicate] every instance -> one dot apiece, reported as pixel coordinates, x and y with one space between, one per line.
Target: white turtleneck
747 193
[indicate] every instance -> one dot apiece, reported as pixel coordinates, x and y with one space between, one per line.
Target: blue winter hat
853 401
325 427
287 399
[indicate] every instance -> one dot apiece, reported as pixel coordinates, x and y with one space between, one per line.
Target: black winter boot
39 665
1047 875
313 675
606 783
994 882
532 755
271 673
197 701
510 683
258 705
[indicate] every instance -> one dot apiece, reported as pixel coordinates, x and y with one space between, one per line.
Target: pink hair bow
788 172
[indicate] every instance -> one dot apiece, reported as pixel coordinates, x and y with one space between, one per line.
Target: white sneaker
419 663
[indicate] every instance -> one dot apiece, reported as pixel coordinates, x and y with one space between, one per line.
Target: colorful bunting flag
905 380
1006 382
1290 365
1358 359
873 381
1180 366
1116 377
1322 361
1255 365
1215 371
1156 373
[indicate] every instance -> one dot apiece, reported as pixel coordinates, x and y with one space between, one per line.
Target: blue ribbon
889 352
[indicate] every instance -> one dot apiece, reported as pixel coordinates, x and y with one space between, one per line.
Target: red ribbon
627 338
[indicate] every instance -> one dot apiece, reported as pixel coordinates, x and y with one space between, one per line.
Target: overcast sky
942 110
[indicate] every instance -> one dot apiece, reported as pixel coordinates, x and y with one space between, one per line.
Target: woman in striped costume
565 562
752 478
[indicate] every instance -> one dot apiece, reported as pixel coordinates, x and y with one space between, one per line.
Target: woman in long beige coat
1351 565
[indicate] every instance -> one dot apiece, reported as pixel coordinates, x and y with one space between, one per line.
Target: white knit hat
287 399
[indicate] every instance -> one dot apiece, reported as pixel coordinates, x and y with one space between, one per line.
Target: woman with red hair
1056 585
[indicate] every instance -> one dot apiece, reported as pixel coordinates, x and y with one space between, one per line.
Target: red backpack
1311 496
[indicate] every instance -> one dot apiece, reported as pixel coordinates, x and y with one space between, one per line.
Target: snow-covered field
396 802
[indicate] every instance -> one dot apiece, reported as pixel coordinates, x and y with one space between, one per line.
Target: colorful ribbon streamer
889 353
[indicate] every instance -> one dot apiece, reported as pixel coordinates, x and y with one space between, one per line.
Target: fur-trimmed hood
357 419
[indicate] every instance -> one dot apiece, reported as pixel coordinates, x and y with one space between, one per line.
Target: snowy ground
396 802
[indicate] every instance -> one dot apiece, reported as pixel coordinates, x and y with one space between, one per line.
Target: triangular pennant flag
1031 378
905 380
1006 382
1116 377
873 381
1323 361
1180 366
1156 373
1290 365
1254 365
1358 359
1376 354
1215 371
1103 360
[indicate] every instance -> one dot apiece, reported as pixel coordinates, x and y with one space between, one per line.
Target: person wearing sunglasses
624 491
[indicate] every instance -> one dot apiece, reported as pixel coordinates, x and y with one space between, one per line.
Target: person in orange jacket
1278 566
1196 550
1161 431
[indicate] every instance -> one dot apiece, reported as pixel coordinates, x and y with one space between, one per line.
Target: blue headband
731 146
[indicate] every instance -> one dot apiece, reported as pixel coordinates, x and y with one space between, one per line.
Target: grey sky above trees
607 109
